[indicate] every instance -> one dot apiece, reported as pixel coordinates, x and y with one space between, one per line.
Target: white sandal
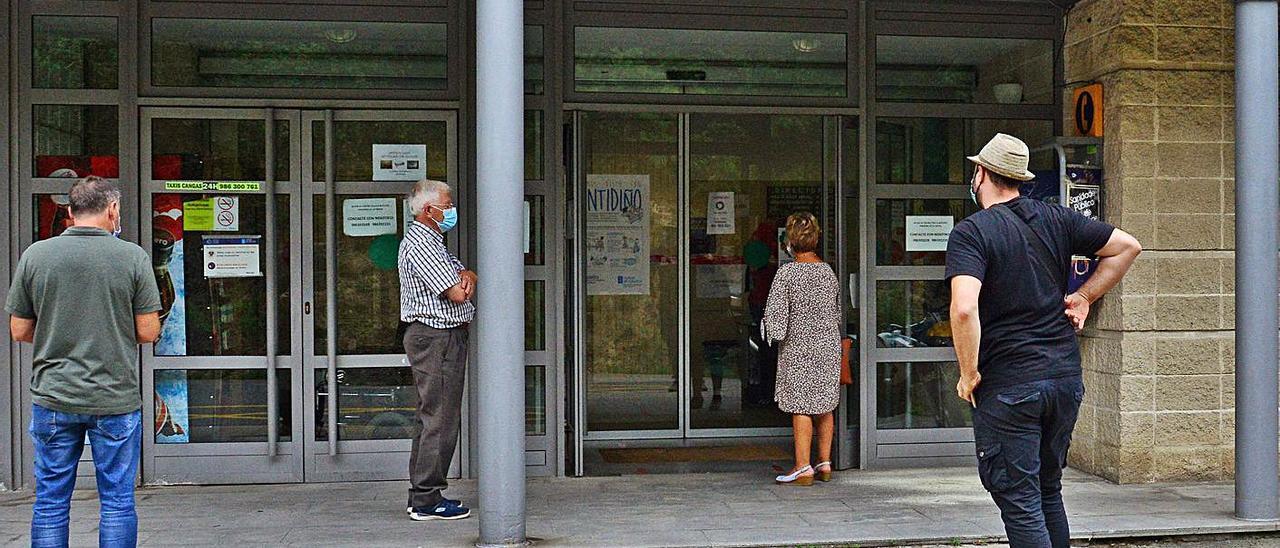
823 475
802 477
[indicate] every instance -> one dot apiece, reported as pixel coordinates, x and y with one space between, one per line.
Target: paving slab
944 506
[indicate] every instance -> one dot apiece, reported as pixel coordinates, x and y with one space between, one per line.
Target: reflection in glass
533 60
52 214
535 321
933 150
632 334
532 145
852 255
718 62
964 70
74 53
375 403
535 400
772 166
218 405
203 316
73 141
354 140
193 149
891 229
242 53
535 253
919 395
913 314
368 281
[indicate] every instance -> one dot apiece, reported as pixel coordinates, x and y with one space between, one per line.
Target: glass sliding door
631 322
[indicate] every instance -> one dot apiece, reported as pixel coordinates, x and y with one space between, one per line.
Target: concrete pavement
920 506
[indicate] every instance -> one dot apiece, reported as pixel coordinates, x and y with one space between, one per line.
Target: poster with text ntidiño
617 234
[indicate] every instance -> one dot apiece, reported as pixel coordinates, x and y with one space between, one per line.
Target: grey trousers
438 358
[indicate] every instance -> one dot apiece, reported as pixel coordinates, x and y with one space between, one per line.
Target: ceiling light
340 36
805 45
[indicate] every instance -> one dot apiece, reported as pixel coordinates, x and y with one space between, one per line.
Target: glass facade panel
533 145
913 314
74 141
535 317
920 395
535 249
218 406
243 53
196 149
534 60
945 69
375 403
354 140
933 150
368 282
74 53
891 229
535 400
216 316
715 62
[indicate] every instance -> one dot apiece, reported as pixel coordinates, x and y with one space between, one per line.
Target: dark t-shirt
1026 335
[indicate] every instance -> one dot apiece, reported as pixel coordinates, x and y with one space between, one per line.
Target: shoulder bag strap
1037 245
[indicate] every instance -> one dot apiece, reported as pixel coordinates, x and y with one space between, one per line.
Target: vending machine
1068 172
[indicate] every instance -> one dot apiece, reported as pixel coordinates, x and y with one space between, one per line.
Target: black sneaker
408 509
446 510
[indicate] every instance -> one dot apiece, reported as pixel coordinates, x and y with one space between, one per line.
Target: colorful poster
232 257
717 281
399 162
221 214
929 232
617 235
172 420
168 261
362 217
720 218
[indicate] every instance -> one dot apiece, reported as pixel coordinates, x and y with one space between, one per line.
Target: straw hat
1006 155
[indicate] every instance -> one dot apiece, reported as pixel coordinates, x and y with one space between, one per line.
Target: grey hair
92 195
426 191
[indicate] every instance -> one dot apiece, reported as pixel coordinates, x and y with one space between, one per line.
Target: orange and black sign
1088 110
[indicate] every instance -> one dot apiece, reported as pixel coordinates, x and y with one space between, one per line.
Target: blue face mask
450 219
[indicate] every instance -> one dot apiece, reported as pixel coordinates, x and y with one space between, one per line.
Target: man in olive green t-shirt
85 300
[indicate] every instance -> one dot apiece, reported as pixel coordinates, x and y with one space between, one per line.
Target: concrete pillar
499 369
1257 173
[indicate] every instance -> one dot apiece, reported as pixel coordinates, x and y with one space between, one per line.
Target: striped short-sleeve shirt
427 270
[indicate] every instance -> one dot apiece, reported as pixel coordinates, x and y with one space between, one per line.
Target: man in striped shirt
435 300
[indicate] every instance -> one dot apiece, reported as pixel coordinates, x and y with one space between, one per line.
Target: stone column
1159 354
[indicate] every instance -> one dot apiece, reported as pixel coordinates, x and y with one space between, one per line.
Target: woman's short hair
803 232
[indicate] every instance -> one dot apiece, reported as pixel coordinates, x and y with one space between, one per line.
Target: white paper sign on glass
369 217
617 235
720 218
232 257
928 232
717 281
399 162
226 213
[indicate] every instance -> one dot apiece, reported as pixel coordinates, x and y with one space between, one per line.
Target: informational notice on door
719 281
928 232
365 217
220 213
214 186
1085 199
617 234
232 256
720 218
399 162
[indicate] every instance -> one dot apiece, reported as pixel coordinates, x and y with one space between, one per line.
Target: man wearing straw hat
1014 330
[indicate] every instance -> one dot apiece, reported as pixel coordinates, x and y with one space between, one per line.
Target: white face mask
118 228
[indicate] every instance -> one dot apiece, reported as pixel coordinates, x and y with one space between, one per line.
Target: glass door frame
834 202
272 461
335 459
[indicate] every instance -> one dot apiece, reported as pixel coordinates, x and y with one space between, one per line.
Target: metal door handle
306 308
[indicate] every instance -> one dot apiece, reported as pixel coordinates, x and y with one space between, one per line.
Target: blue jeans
1022 434
116 441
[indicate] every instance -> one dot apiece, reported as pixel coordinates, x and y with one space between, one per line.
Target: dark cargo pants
438 358
1022 434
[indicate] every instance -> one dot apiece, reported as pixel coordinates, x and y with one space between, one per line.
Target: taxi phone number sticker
213 186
